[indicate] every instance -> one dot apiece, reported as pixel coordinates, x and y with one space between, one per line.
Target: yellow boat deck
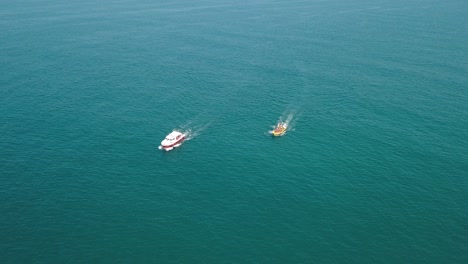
279 130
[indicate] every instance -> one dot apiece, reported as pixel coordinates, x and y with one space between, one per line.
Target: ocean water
373 170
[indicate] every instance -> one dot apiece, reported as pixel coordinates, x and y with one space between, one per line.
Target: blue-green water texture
373 169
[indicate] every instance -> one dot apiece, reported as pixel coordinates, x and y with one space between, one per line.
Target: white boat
173 140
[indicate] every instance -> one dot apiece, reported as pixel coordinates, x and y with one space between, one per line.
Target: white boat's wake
193 130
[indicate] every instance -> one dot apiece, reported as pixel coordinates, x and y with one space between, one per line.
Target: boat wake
193 130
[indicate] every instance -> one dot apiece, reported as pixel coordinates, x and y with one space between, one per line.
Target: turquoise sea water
374 170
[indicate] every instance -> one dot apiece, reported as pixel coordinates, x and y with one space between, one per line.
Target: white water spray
193 129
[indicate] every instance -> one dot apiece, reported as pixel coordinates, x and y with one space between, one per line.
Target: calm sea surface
373 170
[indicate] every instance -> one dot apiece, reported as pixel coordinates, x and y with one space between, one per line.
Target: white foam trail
192 131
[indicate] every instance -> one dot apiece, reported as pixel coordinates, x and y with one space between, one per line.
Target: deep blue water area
374 168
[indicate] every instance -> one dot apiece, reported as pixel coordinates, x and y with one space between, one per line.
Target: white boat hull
173 140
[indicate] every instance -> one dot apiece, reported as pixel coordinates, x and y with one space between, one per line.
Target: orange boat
280 129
